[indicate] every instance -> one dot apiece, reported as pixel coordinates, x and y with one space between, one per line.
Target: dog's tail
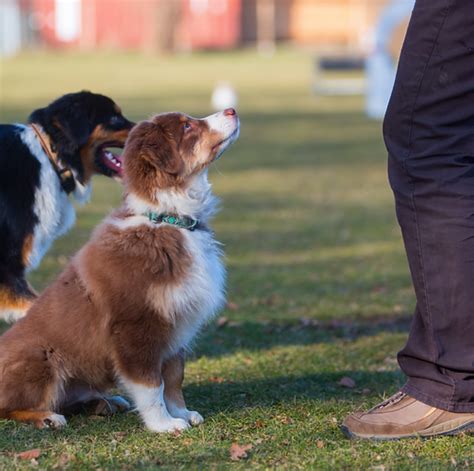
15 299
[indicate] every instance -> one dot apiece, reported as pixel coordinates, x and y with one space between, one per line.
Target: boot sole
452 427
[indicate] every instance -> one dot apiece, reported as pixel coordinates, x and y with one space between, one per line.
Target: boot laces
397 397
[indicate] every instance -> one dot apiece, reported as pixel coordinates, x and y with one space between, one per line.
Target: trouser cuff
414 389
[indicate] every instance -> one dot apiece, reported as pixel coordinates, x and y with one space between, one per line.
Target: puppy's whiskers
216 168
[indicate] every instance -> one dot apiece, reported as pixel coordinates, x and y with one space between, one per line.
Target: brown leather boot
402 416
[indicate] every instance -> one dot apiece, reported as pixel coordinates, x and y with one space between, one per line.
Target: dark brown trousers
429 133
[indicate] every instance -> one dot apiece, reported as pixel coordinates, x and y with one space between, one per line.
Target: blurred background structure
177 25
345 35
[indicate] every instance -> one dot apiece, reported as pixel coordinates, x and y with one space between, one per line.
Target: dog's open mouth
109 160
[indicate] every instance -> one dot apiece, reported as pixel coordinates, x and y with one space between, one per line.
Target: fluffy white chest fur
52 207
201 293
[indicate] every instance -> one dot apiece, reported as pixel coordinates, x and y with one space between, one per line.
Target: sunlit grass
318 279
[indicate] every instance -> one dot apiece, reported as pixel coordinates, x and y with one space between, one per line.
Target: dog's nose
229 112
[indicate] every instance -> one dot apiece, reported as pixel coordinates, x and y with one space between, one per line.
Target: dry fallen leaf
232 306
347 382
216 379
29 454
272 300
238 452
379 289
285 420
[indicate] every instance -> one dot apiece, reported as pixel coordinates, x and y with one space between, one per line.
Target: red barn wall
135 24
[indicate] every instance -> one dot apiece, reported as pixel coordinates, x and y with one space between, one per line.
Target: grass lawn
318 281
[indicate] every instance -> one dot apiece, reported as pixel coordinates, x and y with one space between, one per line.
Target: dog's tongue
114 162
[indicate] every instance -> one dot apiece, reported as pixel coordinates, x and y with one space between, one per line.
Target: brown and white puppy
132 299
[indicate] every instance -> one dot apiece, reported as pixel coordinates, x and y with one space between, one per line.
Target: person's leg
429 133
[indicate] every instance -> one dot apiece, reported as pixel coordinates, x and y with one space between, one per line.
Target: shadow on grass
260 336
229 396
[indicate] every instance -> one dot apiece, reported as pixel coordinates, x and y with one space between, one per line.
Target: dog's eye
115 120
187 126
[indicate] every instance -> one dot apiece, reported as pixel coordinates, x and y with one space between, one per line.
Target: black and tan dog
41 164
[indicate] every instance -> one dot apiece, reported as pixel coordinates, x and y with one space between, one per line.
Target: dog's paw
191 416
169 425
194 418
53 421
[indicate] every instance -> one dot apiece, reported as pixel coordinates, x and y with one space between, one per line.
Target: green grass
310 234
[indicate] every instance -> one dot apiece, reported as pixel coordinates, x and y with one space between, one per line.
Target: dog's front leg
138 364
150 403
173 375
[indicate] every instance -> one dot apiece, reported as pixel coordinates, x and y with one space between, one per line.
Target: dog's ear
38 116
67 124
74 125
151 144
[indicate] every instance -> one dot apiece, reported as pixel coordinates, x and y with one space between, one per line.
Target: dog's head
83 127
167 151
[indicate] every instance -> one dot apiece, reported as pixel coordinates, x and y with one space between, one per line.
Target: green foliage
318 281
